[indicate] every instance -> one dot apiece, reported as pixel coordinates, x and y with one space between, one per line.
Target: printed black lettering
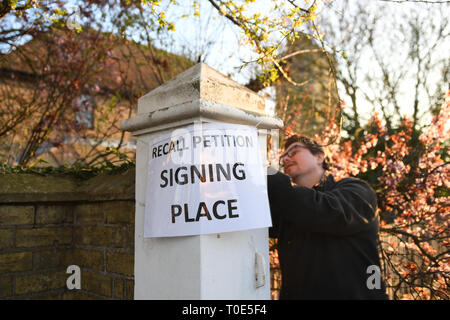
201 176
171 177
196 140
206 141
172 146
211 173
180 148
215 210
193 174
164 179
228 140
186 214
248 141
241 175
176 211
240 141
205 213
215 139
231 208
164 148
227 174
234 141
183 175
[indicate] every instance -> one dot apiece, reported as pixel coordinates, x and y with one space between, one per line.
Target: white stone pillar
232 265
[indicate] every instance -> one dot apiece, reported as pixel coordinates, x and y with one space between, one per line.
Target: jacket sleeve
347 209
277 185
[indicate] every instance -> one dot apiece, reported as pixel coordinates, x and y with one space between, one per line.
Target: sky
220 47
217 42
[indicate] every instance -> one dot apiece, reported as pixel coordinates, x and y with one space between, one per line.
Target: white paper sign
205 178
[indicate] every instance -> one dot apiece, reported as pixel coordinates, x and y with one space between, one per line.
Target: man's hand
271 171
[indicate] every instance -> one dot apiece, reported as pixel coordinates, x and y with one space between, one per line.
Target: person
327 231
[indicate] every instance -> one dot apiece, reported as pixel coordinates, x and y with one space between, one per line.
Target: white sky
218 41
225 53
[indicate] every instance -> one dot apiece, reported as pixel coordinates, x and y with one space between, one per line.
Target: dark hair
311 145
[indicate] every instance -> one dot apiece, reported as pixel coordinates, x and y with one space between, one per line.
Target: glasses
294 150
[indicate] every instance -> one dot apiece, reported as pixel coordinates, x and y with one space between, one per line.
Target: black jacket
327 238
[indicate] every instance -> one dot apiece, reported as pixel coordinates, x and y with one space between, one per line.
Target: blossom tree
409 172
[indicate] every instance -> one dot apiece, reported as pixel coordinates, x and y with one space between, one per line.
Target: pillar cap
201 82
200 92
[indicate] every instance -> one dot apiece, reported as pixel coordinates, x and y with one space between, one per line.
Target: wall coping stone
26 187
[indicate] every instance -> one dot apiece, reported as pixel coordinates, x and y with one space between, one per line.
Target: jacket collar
326 183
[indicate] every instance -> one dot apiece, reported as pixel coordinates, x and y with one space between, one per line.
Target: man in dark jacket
327 231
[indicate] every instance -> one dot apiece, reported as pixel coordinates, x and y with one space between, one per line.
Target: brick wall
49 223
